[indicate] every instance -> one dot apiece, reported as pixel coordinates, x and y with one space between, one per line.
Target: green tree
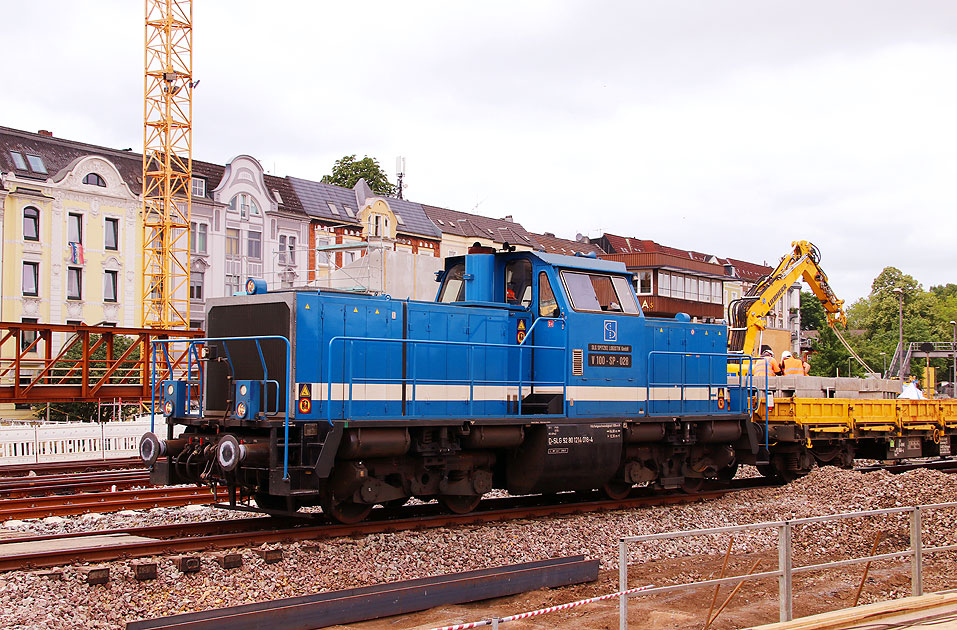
88 411
347 171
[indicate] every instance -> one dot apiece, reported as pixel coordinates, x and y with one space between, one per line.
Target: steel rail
13 470
237 534
71 504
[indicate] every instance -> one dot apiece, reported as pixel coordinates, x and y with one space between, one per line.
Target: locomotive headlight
169 389
241 410
168 408
243 390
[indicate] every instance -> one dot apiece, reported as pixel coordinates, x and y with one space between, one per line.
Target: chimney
549 235
508 218
44 132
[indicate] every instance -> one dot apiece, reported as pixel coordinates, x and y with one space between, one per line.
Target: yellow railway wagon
799 432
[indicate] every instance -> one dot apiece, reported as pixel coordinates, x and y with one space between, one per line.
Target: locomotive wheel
347 512
692 485
616 490
726 474
460 503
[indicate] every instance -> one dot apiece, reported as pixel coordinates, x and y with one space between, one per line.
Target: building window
94 180
282 249
232 284
18 160
292 250
75 228
36 164
109 286
643 283
198 187
691 288
254 245
74 283
716 292
232 242
196 280
31 224
704 290
31 278
197 237
245 205
112 237
28 337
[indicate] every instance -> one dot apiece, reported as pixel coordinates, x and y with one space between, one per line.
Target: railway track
82 503
108 545
49 468
72 483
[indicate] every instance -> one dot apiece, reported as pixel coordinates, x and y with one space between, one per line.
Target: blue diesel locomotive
530 372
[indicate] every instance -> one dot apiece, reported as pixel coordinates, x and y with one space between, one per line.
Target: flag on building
76 253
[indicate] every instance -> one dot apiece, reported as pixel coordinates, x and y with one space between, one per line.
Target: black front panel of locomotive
251 319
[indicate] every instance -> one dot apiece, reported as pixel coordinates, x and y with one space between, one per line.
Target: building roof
476 226
748 271
554 245
739 269
57 154
338 204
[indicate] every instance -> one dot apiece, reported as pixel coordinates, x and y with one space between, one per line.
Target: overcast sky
729 127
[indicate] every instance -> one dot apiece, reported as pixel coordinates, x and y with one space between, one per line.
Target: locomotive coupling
152 448
230 453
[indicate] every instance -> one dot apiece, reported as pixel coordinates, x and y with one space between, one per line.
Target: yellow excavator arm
747 314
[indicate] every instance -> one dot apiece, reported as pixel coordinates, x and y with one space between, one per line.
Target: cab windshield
599 292
453 287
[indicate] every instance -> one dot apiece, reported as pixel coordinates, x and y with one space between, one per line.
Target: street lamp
900 331
883 364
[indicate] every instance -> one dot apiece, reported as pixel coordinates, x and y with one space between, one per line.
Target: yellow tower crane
167 163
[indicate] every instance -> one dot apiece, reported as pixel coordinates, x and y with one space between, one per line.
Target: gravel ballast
29 599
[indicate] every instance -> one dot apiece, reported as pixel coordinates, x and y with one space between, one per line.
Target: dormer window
198 187
245 205
36 164
94 180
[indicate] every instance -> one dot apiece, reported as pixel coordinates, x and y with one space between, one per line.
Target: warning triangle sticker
355 310
377 311
521 324
304 392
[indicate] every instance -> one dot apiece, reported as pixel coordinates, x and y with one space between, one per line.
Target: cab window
518 282
595 292
453 289
547 305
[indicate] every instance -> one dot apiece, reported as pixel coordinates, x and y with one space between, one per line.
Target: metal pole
953 349
916 561
883 364
784 566
849 359
900 330
622 584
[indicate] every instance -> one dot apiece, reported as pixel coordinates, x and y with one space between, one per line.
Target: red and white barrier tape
542 611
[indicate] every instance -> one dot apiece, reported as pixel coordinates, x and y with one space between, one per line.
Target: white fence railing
57 442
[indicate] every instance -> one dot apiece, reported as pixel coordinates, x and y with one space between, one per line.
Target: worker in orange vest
765 366
792 366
